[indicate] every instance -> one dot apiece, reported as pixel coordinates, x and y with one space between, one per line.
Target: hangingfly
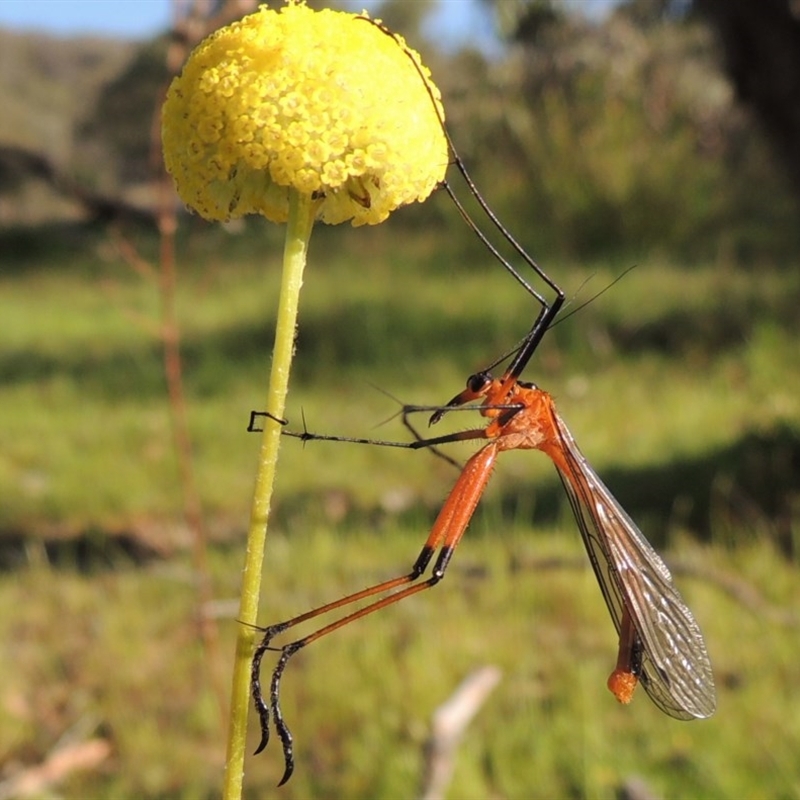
660 644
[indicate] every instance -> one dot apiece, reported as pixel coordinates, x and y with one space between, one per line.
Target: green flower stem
298 231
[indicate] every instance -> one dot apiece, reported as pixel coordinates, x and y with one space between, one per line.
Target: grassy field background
680 383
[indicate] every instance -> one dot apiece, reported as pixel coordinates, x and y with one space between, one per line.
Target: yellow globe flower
321 102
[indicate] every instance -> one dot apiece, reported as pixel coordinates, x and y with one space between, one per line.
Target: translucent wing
674 668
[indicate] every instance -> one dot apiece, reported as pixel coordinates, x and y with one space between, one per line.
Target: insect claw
280 726
255 414
288 757
264 741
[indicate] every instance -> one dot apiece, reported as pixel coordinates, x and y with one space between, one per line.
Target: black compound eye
477 382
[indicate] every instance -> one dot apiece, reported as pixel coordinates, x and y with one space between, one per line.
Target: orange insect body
660 643
622 681
622 684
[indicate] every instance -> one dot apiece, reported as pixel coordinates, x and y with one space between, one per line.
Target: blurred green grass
680 384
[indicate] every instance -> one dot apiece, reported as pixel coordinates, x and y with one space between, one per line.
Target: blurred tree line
625 134
592 136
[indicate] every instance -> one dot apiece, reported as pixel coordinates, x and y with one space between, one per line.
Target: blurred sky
131 19
456 20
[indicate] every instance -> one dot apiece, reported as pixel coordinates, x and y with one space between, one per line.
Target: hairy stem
301 218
